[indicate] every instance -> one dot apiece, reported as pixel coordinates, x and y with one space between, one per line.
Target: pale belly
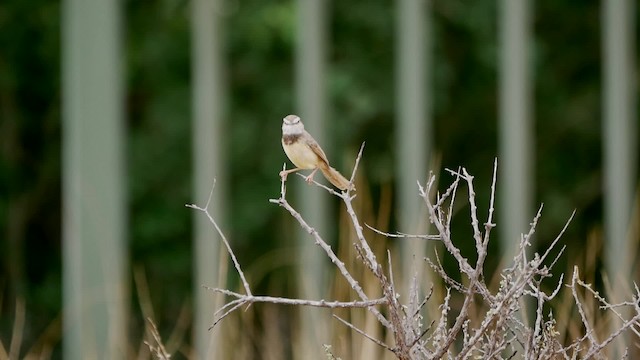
301 155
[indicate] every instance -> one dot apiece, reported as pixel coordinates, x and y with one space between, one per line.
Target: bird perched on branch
305 153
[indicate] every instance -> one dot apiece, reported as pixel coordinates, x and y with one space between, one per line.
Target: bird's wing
313 144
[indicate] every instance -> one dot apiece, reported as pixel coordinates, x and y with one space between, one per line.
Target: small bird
305 153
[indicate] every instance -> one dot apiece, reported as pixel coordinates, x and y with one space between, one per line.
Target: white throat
292 125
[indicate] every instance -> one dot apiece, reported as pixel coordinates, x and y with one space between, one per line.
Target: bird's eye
291 119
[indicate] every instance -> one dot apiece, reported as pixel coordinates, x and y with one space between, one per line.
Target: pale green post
313 201
619 126
515 131
413 131
208 106
95 262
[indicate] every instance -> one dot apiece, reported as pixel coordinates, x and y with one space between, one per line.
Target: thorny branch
498 334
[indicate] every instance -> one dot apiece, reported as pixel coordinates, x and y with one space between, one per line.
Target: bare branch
328 189
402 235
334 258
355 167
236 264
498 332
489 224
474 211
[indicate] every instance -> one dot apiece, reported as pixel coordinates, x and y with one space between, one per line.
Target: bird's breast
300 154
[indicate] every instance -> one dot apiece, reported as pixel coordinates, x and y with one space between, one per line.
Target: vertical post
208 106
94 214
413 132
311 99
516 134
619 129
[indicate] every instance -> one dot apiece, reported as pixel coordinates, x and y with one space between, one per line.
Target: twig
474 212
301 302
489 224
555 241
224 238
463 264
355 167
328 189
403 235
378 342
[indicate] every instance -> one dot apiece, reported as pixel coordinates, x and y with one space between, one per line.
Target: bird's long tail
335 177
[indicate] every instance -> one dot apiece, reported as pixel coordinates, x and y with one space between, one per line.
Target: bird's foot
309 179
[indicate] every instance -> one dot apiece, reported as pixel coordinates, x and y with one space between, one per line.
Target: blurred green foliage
259 47
30 156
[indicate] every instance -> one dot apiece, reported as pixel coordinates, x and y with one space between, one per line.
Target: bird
305 153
